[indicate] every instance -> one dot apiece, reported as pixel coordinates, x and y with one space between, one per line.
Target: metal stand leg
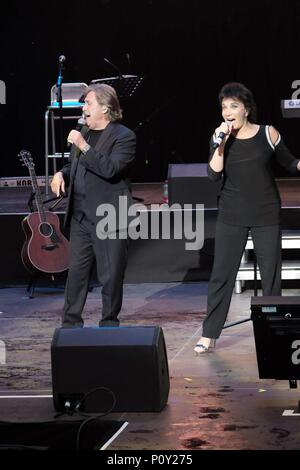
53 140
293 383
31 285
238 287
33 281
46 154
50 114
255 274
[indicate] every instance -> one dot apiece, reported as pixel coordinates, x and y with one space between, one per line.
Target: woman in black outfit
249 200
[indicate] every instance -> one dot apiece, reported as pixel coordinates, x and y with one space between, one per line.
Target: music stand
125 85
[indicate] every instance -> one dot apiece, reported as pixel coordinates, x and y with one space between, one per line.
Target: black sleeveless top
249 195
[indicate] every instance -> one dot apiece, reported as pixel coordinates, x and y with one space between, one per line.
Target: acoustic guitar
45 248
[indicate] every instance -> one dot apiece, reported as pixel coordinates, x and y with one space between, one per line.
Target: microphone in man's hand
80 123
61 59
219 139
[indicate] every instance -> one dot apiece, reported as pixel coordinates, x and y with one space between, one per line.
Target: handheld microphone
219 139
80 123
62 59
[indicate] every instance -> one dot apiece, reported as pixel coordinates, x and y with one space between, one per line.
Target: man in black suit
96 174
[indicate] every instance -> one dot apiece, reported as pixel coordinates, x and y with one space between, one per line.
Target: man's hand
76 138
58 183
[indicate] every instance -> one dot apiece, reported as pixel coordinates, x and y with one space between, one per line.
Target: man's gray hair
107 96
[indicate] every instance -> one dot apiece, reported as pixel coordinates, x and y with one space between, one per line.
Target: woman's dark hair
241 93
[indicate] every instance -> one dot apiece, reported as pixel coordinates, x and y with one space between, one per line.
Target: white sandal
202 349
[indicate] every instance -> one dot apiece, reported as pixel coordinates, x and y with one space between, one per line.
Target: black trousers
230 241
111 259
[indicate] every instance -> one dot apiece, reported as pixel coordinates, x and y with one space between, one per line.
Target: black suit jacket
106 169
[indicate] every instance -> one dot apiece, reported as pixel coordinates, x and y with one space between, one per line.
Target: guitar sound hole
46 229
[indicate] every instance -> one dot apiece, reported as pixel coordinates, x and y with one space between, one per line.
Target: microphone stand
118 84
59 99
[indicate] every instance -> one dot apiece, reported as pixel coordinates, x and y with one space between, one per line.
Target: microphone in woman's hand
219 139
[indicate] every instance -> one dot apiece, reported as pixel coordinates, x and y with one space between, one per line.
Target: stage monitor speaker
128 362
188 183
276 324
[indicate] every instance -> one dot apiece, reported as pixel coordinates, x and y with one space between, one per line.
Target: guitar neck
38 197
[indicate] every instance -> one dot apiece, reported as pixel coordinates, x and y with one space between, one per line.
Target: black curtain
185 50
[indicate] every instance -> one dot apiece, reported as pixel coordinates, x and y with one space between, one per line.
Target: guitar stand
57 201
30 201
33 283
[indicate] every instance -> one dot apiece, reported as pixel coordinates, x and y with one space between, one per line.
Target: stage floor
216 402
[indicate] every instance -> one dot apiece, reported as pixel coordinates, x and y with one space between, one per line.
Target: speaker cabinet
128 363
188 183
276 324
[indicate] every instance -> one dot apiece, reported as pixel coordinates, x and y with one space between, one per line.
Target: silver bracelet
85 149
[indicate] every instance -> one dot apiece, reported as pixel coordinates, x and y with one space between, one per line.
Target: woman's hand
226 128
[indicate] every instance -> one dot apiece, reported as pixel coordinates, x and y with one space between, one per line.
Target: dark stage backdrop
185 50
